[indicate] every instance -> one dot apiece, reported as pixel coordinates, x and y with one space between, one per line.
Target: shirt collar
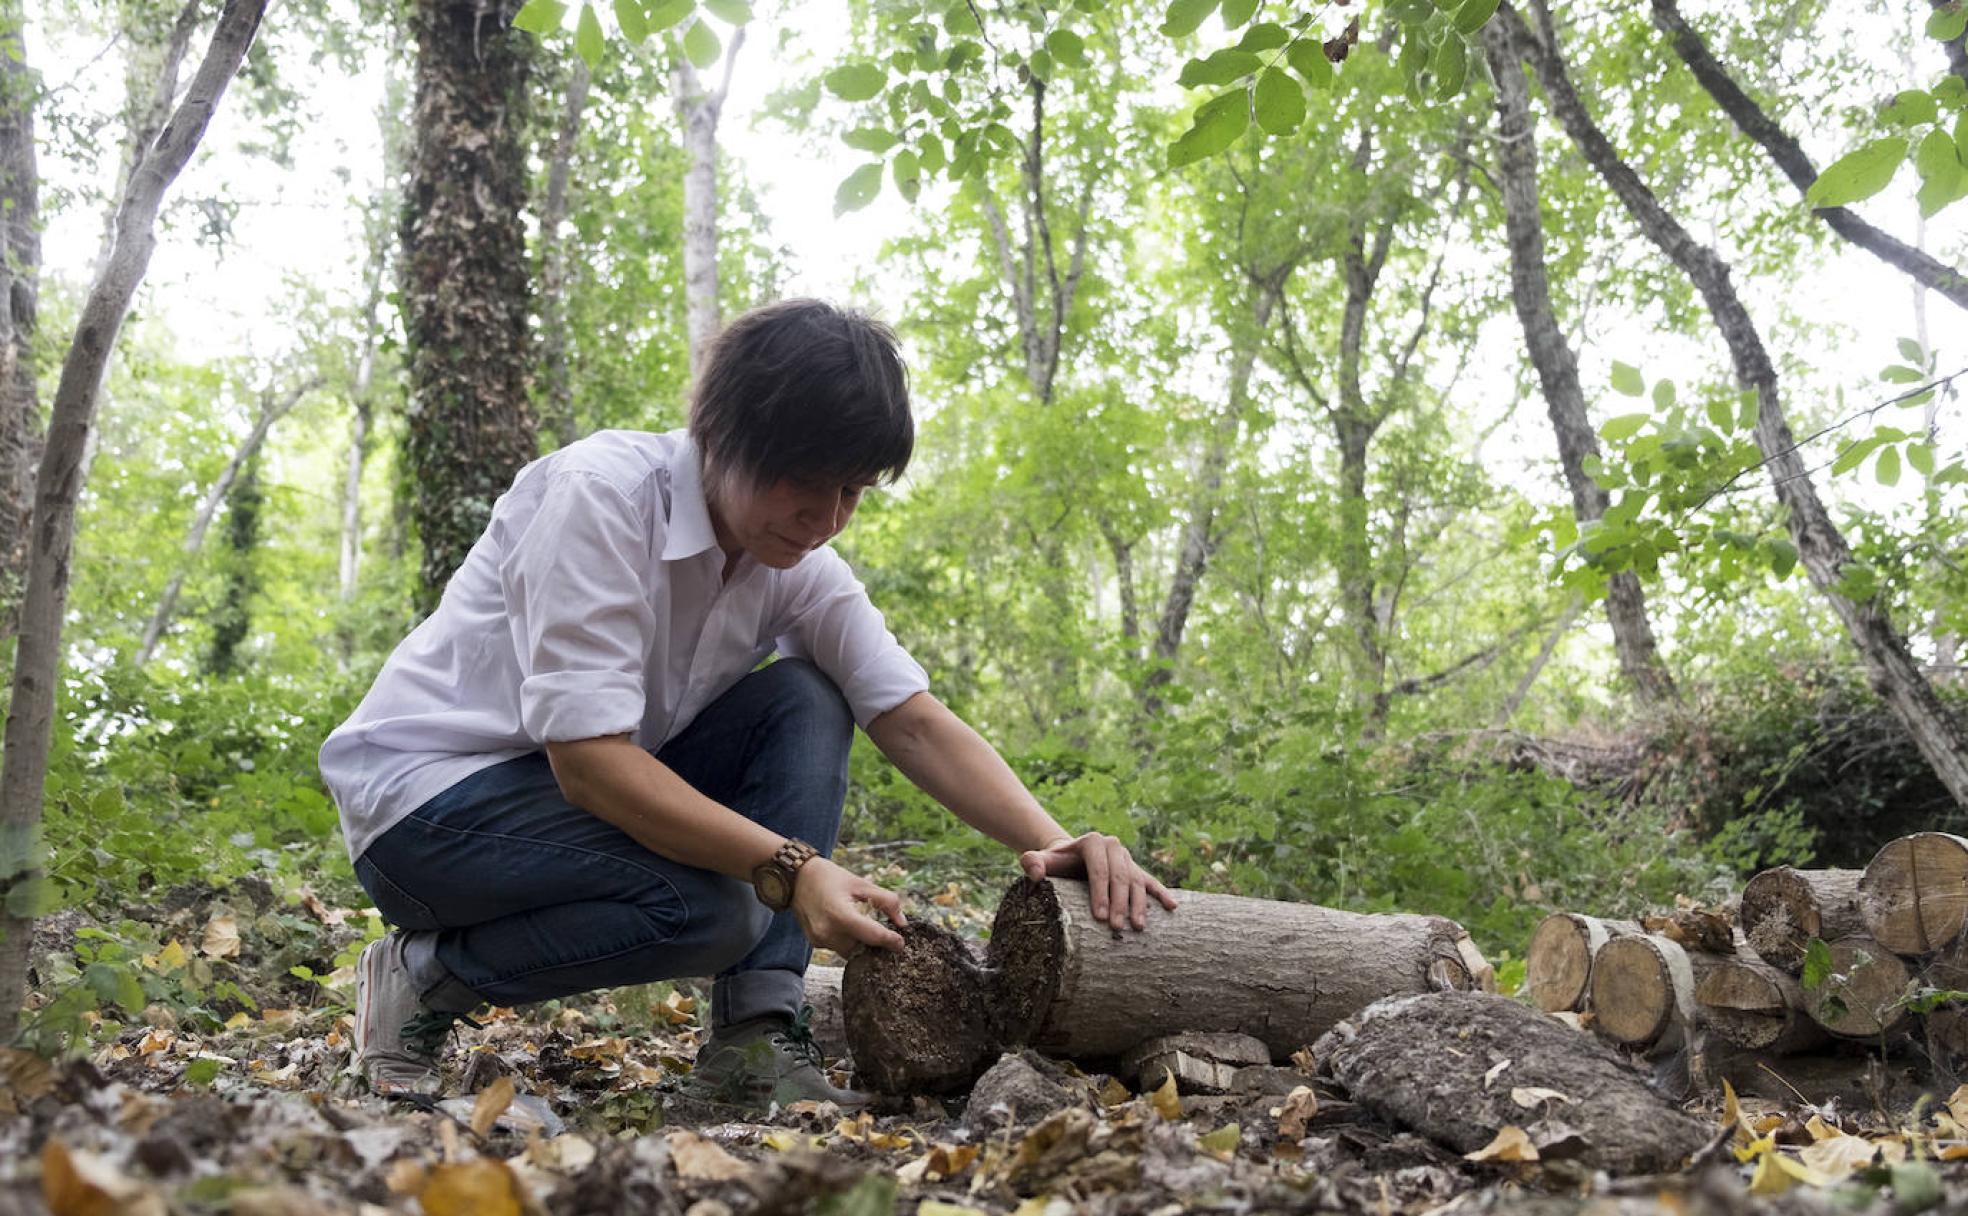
690 516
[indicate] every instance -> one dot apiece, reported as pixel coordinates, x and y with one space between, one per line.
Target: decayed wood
1558 964
1461 1066
1783 909
1281 972
823 993
1200 1063
1914 893
1752 1004
919 1019
1865 993
1643 991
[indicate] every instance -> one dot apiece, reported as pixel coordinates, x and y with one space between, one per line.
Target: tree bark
1754 1005
150 86
698 111
1914 892
471 426
1557 367
232 618
1558 962
1783 909
20 280
272 410
37 663
553 261
1893 673
1790 157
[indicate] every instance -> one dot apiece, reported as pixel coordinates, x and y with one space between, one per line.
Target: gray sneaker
768 1061
397 1040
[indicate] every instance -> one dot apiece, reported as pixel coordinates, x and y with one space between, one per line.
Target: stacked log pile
1805 959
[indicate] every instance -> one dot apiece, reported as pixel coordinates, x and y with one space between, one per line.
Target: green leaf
1185 16
1946 26
1218 69
731 12
1627 379
1817 964
664 14
630 20
874 1195
701 45
1624 427
1308 59
1912 351
1219 122
1916 1187
540 16
1067 47
1921 457
1887 471
1224 1139
1897 374
1264 36
1664 394
1474 15
858 189
1721 415
29 898
201 1072
1911 108
1859 174
856 81
1040 64
871 139
1236 13
1936 155
587 35
1936 193
1782 555
1853 456
1280 103
907 171
1451 66
931 154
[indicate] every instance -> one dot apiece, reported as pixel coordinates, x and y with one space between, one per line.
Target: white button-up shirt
595 604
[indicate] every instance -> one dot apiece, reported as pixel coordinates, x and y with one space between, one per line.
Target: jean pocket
398 906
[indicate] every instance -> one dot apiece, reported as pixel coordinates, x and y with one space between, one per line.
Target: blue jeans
509 893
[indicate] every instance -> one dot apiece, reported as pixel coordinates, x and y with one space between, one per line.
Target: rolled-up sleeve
581 620
830 620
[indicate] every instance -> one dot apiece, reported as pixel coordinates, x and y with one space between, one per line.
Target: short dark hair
806 390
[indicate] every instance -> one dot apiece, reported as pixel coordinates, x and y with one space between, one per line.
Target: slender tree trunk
1123 551
37 663
1557 367
272 410
698 111
1354 423
1789 155
553 265
150 81
232 620
465 288
1821 547
20 278
1522 689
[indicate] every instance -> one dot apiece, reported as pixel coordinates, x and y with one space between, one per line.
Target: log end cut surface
1558 963
1914 894
1453 1065
1633 989
1866 992
918 1021
1028 956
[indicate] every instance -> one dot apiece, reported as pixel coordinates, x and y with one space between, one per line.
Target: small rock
1016 1090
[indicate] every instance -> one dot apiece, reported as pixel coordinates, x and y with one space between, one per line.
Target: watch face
771 882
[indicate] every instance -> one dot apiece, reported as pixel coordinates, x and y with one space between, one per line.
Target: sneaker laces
424 1034
797 1037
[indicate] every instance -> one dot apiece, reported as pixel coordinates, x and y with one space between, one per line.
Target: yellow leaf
492 1102
1301 1104
1223 1141
780 1141
221 938
1770 1178
1510 1144
406 1176
1820 1130
703 1160
1837 1156
1755 1148
242 1018
75 1183
1732 1113
949 896
172 956
1166 1101
483 1187
1114 1093
156 1040
1953 1152
936 1207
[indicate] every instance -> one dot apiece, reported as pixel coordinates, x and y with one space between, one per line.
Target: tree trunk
1754 1005
20 279
1749 117
698 111
150 87
1893 673
823 995
37 663
1783 909
1557 367
232 620
272 410
1558 962
464 287
1914 892
553 263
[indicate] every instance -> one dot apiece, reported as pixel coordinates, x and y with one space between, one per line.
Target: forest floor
574 1108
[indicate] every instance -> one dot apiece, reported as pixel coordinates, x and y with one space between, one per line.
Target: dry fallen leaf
1776 1173
492 1102
24 1076
703 1160
1957 1104
1222 1143
1529 1096
569 1154
172 956
1301 1104
1302 1060
1839 1155
1496 1070
780 1141
936 1207
1114 1093
483 1187
221 938
75 1183
1510 1144
1166 1101
406 1176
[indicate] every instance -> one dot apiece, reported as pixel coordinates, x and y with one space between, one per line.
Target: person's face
780 523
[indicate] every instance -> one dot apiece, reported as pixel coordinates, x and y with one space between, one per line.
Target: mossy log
1914 893
1558 964
1783 909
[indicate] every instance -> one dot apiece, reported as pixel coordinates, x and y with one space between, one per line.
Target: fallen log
1643 992
1283 973
1754 1005
1783 909
823 994
1864 996
1558 964
919 1019
1914 892
1459 1067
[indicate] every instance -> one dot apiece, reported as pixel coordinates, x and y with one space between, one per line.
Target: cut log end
1558 965
1642 987
1028 955
918 1021
1782 909
1865 993
1914 895
1756 1006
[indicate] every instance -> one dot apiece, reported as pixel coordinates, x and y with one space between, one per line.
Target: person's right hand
826 900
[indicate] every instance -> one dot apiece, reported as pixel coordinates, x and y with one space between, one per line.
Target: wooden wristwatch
774 879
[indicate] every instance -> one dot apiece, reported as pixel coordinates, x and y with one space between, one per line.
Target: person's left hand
1119 888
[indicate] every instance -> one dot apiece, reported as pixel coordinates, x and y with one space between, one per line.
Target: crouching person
575 774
